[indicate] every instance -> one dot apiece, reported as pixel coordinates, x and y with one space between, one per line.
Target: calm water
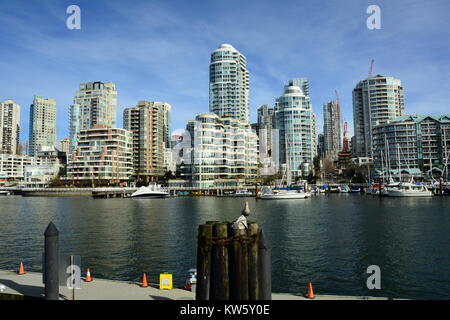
328 239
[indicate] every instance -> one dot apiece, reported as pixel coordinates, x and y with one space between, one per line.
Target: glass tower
297 129
228 84
95 103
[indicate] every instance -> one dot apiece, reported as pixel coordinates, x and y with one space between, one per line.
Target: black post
203 262
264 268
51 262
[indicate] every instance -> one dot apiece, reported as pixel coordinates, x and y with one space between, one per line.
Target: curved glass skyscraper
296 123
228 83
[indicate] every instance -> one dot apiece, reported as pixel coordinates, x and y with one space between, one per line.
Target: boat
152 191
345 188
334 188
355 189
408 189
389 187
4 193
242 193
276 194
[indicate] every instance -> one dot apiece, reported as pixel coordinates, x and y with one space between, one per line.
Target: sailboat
284 193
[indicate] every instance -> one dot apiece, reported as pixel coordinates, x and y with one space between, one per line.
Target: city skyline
151 60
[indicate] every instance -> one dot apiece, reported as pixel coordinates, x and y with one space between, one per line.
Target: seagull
241 222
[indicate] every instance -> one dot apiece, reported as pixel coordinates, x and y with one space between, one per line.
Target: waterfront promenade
30 285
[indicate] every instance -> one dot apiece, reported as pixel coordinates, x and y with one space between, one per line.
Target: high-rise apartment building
332 129
296 123
103 155
229 83
222 149
265 126
376 100
149 123
94 103
9 127
42 124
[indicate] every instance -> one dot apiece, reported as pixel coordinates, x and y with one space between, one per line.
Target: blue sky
160 50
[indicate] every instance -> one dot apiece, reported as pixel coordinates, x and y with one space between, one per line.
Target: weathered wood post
203 262
238 257
253 291
219 286
51 266
264 268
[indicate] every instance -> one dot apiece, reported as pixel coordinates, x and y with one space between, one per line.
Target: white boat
152 191
408 189
284 194
242 193
4 193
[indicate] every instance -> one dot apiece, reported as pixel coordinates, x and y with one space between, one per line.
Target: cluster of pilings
232 263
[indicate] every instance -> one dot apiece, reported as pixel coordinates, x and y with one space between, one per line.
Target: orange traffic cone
310 291
88 276
21 269
144 281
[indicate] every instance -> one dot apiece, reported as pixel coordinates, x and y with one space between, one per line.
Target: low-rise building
413 143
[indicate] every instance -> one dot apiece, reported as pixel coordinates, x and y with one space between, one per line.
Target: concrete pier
29 285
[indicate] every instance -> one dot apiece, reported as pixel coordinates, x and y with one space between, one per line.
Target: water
328 239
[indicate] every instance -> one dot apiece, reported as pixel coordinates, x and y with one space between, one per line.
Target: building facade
12 166
149 123
104 155
229 83
413 144
264 128
94 103
42 124
296 123
376 100
332 129
9 127
223 149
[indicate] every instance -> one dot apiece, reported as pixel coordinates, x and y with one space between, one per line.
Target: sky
160 51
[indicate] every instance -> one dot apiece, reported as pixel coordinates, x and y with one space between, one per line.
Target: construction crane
371 67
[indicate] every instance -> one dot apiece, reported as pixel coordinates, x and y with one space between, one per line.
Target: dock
30 286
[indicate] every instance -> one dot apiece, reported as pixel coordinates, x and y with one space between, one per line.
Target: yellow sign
165 281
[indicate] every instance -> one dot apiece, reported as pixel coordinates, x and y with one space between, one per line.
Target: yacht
334 188
152 191
408 189
242 193
276 194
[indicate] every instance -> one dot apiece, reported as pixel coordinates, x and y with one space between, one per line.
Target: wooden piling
219 267
203 262
238 265
253 291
